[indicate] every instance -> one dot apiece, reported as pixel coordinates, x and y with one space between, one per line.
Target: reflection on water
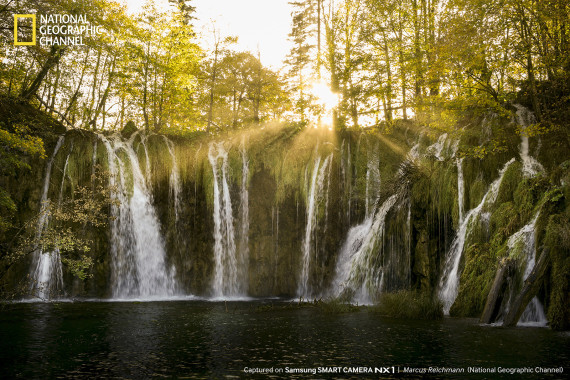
199 339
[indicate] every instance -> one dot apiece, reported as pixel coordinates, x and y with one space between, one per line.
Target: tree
300 60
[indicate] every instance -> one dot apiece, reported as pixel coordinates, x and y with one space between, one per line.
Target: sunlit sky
260 24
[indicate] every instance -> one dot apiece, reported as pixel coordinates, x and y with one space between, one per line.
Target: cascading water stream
143 138
244 233
460 189
138 257
315 195
449 282
534 312
346 176
525 118
437 148
372 182
226 277
356 276
174 180
46 271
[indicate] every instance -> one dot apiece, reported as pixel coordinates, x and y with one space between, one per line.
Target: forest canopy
382 60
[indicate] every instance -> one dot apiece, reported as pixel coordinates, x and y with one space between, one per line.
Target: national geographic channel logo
54 29
24 18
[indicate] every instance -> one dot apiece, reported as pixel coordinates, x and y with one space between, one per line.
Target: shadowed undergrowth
409 305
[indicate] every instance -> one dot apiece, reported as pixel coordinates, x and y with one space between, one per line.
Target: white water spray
357 274
46 271
314 198
460 189
534 312
525 118
174 180
437 148
372 182
226 281
244 233
138 257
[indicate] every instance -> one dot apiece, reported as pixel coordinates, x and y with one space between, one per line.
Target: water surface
201 339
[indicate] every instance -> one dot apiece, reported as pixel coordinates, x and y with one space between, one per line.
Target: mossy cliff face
307 188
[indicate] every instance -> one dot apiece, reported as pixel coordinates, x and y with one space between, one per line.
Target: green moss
476 281
476 193
443 192
557 239
419 190
127 172
129 129
505 220
511 179
478 230
527 194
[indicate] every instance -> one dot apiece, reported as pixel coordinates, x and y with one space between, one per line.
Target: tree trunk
212 86
388 92
145 88
54 56
87 116
491 306
529 290
103 100
402 74
417 51
76 93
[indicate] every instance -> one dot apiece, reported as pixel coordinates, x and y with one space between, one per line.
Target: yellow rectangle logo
33 41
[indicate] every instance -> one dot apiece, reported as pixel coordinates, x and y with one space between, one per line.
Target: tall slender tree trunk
417 51
212 86
388 92
145 88
55 54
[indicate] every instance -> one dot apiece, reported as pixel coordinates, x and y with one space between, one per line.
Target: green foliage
63 226
494 146
16 146
244 92
407 304
79 267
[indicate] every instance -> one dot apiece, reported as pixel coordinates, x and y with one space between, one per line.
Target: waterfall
460 189
414 154
138 257
372 182
347 178
534 312
60 198
174 180
437 148
244 205
358 275
525 118
46 271
226 281
449 282
143 138
314 198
